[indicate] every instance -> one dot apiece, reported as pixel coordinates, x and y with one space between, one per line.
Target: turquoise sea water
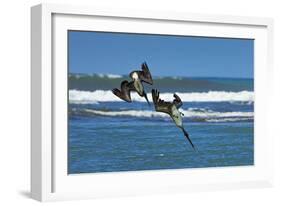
108 135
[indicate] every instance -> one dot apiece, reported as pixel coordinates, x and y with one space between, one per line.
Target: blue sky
117 53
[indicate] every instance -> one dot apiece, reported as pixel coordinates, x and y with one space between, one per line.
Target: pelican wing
145 74
127 86
159 104
177 101
124 93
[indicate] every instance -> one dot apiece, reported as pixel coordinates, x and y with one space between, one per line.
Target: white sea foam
209 115
87 97
229 119
110 76
131 113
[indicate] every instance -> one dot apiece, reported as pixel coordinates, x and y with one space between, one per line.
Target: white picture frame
49 179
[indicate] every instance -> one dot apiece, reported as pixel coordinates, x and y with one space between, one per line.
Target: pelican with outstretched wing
171 108
136 85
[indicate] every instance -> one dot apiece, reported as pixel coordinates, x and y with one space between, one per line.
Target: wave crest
88 97
194 114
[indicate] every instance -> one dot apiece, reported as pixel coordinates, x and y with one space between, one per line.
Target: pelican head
134 75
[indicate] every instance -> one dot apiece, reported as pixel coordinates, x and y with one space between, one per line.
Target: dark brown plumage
125 92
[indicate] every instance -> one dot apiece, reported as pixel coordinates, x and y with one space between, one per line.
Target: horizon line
226 77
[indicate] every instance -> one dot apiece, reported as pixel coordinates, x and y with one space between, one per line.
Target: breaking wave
110 76
88 97
192 113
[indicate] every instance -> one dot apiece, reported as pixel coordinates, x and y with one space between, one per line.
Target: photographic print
150 102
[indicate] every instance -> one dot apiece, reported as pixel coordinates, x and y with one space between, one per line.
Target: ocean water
109 135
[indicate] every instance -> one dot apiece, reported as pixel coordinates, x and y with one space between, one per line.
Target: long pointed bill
145 96
187 137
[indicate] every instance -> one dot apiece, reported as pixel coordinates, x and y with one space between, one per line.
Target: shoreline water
109 135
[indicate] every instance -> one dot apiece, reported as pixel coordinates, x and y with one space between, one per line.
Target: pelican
171 108
136 85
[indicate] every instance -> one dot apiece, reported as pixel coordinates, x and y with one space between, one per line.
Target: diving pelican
171 108
136 85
